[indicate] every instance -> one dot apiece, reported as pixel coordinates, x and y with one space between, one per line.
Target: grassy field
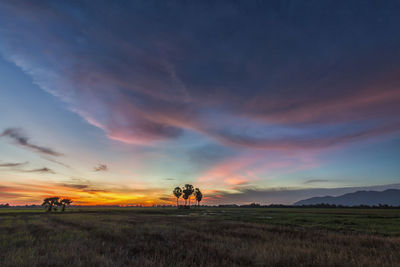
200 237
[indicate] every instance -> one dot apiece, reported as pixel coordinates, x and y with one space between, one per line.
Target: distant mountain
389 197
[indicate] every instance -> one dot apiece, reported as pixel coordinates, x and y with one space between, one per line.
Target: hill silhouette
371 198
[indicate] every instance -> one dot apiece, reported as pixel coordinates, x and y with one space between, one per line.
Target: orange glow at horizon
28 194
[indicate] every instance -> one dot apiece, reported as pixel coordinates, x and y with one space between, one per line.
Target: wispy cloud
77 183
20 139
57 162
282 195
13 164
41 170
314 181
101 168
16 167
157 95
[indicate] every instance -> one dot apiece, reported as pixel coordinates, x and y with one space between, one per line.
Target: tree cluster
186 192
53 203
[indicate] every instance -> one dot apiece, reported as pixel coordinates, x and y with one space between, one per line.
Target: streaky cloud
40 170
283 195
13 164
101 168
20 139
317 181
57 162
142 86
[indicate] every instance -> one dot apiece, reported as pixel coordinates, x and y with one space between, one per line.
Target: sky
118 102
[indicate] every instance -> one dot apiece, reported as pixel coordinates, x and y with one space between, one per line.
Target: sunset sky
118 102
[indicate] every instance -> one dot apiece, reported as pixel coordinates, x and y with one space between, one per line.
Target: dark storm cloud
205 66
22 140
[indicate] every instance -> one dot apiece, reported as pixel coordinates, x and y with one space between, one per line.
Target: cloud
313 181
101 168
224 78
249 168
20 139
95 191
236 181
13 164
41 170
282 195
77 186
57 162
77 183
307 142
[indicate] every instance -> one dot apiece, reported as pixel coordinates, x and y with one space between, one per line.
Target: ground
200 237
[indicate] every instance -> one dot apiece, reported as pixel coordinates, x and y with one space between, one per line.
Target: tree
50 203
198 195
178 193
65 202
187 192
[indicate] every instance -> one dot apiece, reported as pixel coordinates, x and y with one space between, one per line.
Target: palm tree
187 192
65 202
49 203
198 195
178 193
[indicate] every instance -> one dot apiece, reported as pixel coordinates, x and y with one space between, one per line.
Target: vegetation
198 195
65 202
186 192
177 193
200 237
52 203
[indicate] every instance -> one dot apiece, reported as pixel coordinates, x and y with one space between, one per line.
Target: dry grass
134 239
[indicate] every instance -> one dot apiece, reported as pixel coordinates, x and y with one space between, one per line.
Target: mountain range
371 198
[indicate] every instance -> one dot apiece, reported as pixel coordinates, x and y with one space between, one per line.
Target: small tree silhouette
65 202
198 195
50 203
187 192
178 193
56 205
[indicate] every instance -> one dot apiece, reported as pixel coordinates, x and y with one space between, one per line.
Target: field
200 237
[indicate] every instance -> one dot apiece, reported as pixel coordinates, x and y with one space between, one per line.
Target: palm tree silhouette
198 195
65 202
178 193
50 202
187 192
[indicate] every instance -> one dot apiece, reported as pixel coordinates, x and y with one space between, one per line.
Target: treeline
322 205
